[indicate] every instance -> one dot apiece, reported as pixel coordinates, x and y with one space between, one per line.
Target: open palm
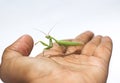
87 63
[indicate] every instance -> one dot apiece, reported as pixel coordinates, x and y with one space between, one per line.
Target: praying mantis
59 42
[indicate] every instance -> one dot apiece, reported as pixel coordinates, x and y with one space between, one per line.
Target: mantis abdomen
68 43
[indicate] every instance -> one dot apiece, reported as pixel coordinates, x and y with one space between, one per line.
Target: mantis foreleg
48 46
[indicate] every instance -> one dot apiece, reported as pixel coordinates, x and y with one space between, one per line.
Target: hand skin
88 63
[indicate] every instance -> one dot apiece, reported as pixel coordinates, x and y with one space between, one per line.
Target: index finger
84 37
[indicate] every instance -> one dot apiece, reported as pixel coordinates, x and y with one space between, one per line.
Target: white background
72 17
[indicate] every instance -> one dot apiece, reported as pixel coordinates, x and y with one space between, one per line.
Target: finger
90 47
22 46
84 38
104 49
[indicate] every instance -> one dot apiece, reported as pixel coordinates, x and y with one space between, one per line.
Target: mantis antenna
48 32
41 31
52 28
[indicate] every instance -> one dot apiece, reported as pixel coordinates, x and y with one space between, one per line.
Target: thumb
21 47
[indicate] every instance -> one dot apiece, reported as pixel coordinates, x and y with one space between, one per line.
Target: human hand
75 64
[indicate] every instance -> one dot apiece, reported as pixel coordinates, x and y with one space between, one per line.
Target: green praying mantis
59 42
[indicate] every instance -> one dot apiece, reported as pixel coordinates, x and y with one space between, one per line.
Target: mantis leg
42 43
50 44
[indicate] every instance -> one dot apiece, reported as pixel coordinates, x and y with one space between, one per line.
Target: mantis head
48 36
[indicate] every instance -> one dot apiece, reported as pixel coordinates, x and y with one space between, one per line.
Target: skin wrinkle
69 63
